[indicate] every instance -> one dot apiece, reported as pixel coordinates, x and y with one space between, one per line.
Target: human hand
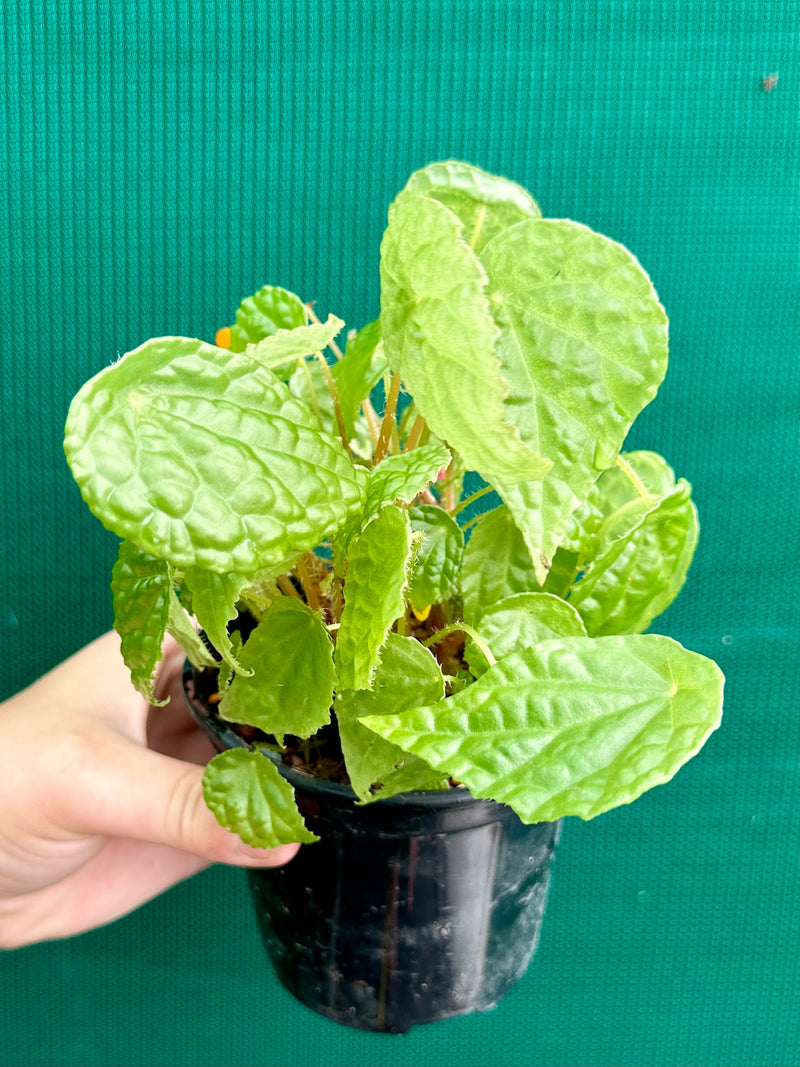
101 798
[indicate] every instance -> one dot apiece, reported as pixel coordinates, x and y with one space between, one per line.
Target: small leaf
439 335
142 592
642 547
358 371
289 689
574 726
263 314
373 595
406 677
281 350
435 575
214 600
485 203
401 478
207 459
247 795
496 564
520 621
583 346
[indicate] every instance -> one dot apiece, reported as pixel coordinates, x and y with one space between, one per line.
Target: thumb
137 793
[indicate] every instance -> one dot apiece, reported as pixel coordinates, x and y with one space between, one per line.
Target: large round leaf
583 347
572 726
204 458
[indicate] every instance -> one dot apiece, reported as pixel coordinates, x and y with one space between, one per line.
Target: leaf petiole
634 479
464 627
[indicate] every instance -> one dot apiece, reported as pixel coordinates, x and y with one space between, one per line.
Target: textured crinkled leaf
281 350
263 314
373 595
403 477
496 564
407 676
214 600
641 547
396 479
583 346
436 570
247 795
519 622
439 335
141 590
358 371
574 726
485 203
206 459
289 689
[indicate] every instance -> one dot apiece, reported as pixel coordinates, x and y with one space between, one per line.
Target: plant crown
499 644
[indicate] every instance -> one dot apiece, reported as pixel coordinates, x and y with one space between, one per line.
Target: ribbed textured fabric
160 161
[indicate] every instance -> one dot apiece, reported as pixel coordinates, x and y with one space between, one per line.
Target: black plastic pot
408 910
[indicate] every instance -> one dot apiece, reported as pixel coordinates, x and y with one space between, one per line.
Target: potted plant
427 687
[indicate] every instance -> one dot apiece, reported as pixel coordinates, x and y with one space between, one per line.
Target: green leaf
574 726
583 346
401 478
485 203
439 334
206 459
141 590
642 547
373 595
407 676
435 575
247 795
289 689
281 350
180 626
397 479
358 371
520 621
263 314
496 564
214 600
309 384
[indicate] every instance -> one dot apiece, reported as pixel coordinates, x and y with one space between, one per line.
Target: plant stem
308 580
464 628
373 422
337 409
286 586
471 523
331 344
449 495
416 432
471 500
389 421
634 478
476 233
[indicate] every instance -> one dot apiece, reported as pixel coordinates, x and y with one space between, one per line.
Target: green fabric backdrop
163 159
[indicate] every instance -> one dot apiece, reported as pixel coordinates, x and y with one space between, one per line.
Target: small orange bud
421 616
223 338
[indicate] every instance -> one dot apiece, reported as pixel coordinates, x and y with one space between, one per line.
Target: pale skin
101 798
